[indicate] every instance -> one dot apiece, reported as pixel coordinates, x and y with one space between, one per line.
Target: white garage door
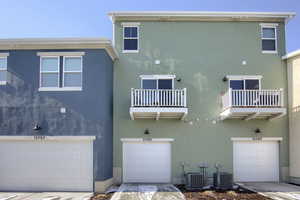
147 162
46 166
256 161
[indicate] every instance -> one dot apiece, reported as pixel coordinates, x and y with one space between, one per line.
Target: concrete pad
148 192
46 196
14 195
277 191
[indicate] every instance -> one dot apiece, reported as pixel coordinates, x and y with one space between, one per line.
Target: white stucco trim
291 55
75 53
252 139
4 55
158 76
131 24
47 138
271 25
59 43
201 15
57 89
242 77
147 139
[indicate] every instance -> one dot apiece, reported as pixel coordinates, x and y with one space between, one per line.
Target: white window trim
246 77
49 72
75 53
157 77
267 25
138 37
4 56
63 75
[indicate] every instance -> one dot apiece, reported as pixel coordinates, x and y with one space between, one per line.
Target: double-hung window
130 37
60 71
269 38
3 68
49 74
72 72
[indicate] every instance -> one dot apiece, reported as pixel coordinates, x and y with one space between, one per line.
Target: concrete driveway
277 191
46 196
148 192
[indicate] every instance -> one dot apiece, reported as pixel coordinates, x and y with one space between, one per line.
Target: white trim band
235 77
130 24
291 55
4 55
271 25
147 139
75 53
252 139
155 76
47 138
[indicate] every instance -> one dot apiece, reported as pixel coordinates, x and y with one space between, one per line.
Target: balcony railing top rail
158 97
253 98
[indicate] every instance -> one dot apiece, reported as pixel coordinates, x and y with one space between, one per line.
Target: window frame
131 25
49 72
4 56
64 72
244 78
269 25
157 77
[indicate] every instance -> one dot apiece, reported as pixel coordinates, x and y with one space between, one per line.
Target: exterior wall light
146 132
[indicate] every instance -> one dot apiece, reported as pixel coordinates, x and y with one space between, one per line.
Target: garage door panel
52 166
146 162
256 161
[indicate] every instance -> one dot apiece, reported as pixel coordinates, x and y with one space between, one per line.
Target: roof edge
169 15
291 55
58 43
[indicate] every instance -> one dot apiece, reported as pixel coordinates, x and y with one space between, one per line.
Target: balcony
158 104
253 104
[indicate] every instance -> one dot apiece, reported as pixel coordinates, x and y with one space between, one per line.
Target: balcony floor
248 113
158 113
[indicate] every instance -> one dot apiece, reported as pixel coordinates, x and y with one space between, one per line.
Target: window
244 83
157 82
131 38
60 71
49 76
3 70
269 38
72 72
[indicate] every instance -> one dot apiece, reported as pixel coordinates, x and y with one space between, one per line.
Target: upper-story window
3 68
269 38
157 82
244 82
60 71
130 37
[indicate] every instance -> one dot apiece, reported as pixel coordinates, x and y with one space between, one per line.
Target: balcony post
132 97
184 91
282 97
230 97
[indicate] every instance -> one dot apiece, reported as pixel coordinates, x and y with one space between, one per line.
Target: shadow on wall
22 107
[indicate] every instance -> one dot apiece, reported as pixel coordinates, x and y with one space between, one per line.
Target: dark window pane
130 31
130 44
252 84
165 84
269 32
149 84
237 84
268 45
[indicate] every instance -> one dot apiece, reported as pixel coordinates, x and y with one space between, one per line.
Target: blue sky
87 18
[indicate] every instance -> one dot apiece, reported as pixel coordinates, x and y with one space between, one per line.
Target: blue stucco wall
88 112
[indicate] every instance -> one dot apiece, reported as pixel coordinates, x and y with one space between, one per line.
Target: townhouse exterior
56 114
173 90
293 66
200 87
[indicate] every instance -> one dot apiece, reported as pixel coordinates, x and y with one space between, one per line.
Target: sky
88 18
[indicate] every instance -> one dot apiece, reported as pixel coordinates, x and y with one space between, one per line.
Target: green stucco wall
201 54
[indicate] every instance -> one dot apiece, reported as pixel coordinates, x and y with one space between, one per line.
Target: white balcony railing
158 98
253 98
